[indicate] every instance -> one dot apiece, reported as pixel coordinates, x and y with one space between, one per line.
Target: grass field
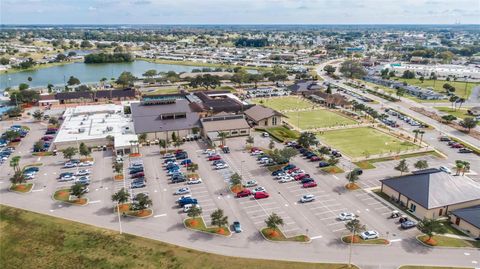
32 240
282 133
317 119
284 103
430 267
459 85
356 142
459 113
444 241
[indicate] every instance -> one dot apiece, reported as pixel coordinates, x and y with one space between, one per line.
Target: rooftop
469 214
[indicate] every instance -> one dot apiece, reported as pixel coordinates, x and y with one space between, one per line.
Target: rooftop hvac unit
81 130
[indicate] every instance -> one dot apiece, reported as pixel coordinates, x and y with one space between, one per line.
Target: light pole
119 218
350 251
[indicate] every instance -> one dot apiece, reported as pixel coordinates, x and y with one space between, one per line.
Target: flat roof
87 123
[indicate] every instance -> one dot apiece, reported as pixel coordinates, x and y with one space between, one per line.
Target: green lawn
357 142
161 91
444 241
284 103
317 119
267 232
282 133
459 113
430 267
32 240
459 85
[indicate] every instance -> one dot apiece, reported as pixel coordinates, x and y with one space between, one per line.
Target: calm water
57 75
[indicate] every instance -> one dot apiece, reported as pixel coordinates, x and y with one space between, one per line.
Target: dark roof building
304 86
469 214
219 101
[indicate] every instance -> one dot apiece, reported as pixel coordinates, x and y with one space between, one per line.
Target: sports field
284 103
317 119
358 142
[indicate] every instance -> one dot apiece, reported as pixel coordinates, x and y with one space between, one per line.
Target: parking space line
289 230
339 229
376 203
252 211
333 217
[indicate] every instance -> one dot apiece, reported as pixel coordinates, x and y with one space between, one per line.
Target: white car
194 181
256 152
281 175
29 176
182 191
221 166
119 159
209 151
83 172
346 216
69 165
86 163
445 169
286 179
258 189
307 198
369 235
265 134
187 207
168 156
251 183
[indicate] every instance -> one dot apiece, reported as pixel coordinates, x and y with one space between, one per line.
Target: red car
261 195
457 146
244 193
301 176
139 174
47 138
310 184
315 159
214 158
18 139
293 170
254 149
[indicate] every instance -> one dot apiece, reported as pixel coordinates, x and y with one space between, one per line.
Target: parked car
288 167
315 159
86 163
236 227
85 180
194 181
251 183
444 138
306 180
323 164
346 216
83 172
408 224
66 177
179 179
31 169
307 198
226 149
244 193
214 158
137 184
445 169
187 207
260 195
276 172
369 235
137 175
187 200
168 155
310 184
465 150
186 162
221 166
69 165
134 171
258 189
182 191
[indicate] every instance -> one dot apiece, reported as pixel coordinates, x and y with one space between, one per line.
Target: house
47 99
264 116
160 116
432 193
232 125
467 220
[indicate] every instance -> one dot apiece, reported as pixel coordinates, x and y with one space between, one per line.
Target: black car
179 179
465 150
181 156
306 180
309 156
302 150
276 172
136 170
323 164
226 150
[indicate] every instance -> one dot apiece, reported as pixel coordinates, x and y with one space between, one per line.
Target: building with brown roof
264 116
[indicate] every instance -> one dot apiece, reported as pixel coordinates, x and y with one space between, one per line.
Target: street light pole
119 218
350 252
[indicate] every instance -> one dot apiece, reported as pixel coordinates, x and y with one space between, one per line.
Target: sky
239 11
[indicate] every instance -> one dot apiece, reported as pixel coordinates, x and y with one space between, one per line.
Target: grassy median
32 240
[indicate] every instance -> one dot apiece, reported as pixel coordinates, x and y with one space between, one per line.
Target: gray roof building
469 214
433 188
171 116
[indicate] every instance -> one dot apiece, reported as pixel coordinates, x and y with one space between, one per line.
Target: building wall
168 135
466 227
270 122
421 212
89 143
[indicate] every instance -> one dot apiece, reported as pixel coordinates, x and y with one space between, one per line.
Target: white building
95 126
443 70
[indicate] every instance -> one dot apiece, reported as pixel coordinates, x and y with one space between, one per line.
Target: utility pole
350 252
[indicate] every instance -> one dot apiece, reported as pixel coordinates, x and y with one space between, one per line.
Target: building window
243 131
274 121
413 207
234 132
266 122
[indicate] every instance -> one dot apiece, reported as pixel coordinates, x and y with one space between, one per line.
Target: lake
58 75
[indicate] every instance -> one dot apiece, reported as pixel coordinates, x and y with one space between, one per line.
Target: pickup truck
187 201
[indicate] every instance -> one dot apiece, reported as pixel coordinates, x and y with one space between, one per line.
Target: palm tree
416 131
273 221
460 166
218 219
271 145
421 136
430 227
17 178
37 115
222 136
14 163
162 144
332 161
353 226
235 179
120 196
421 164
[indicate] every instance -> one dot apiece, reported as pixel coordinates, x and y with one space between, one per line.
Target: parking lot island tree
421 164
84 150
354 226
469 123
219 220
271 145
272 222
352 177
141 202
53 121
307 139
78 190
69 152
430 227
37 115
402 167
461 167
15 163
250 141
194 212
223 136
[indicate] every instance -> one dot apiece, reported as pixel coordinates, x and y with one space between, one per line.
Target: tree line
108 58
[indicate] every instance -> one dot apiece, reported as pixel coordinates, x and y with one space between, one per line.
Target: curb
19 192
144 217
286 241
195 230
68 203
362 244
442 247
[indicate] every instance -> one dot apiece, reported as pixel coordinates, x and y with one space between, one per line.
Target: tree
86 44
69 152
121 196
61 57
283 155
141 202
332 161
142 137
194 212
461 166
4 61
23 86
468 123
14 163
150 73
125 79
235 179
448 118
353 176
421 164
37 115
402 167
453 99
192 167
17 178
352 69
84 150
218 219
271 145
73 81
11 134
354 226
400 92
307 139
222 136
38 146
162 143
273 221
250 140
329 69
53 120
118 167
431 227
408 74
78 189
